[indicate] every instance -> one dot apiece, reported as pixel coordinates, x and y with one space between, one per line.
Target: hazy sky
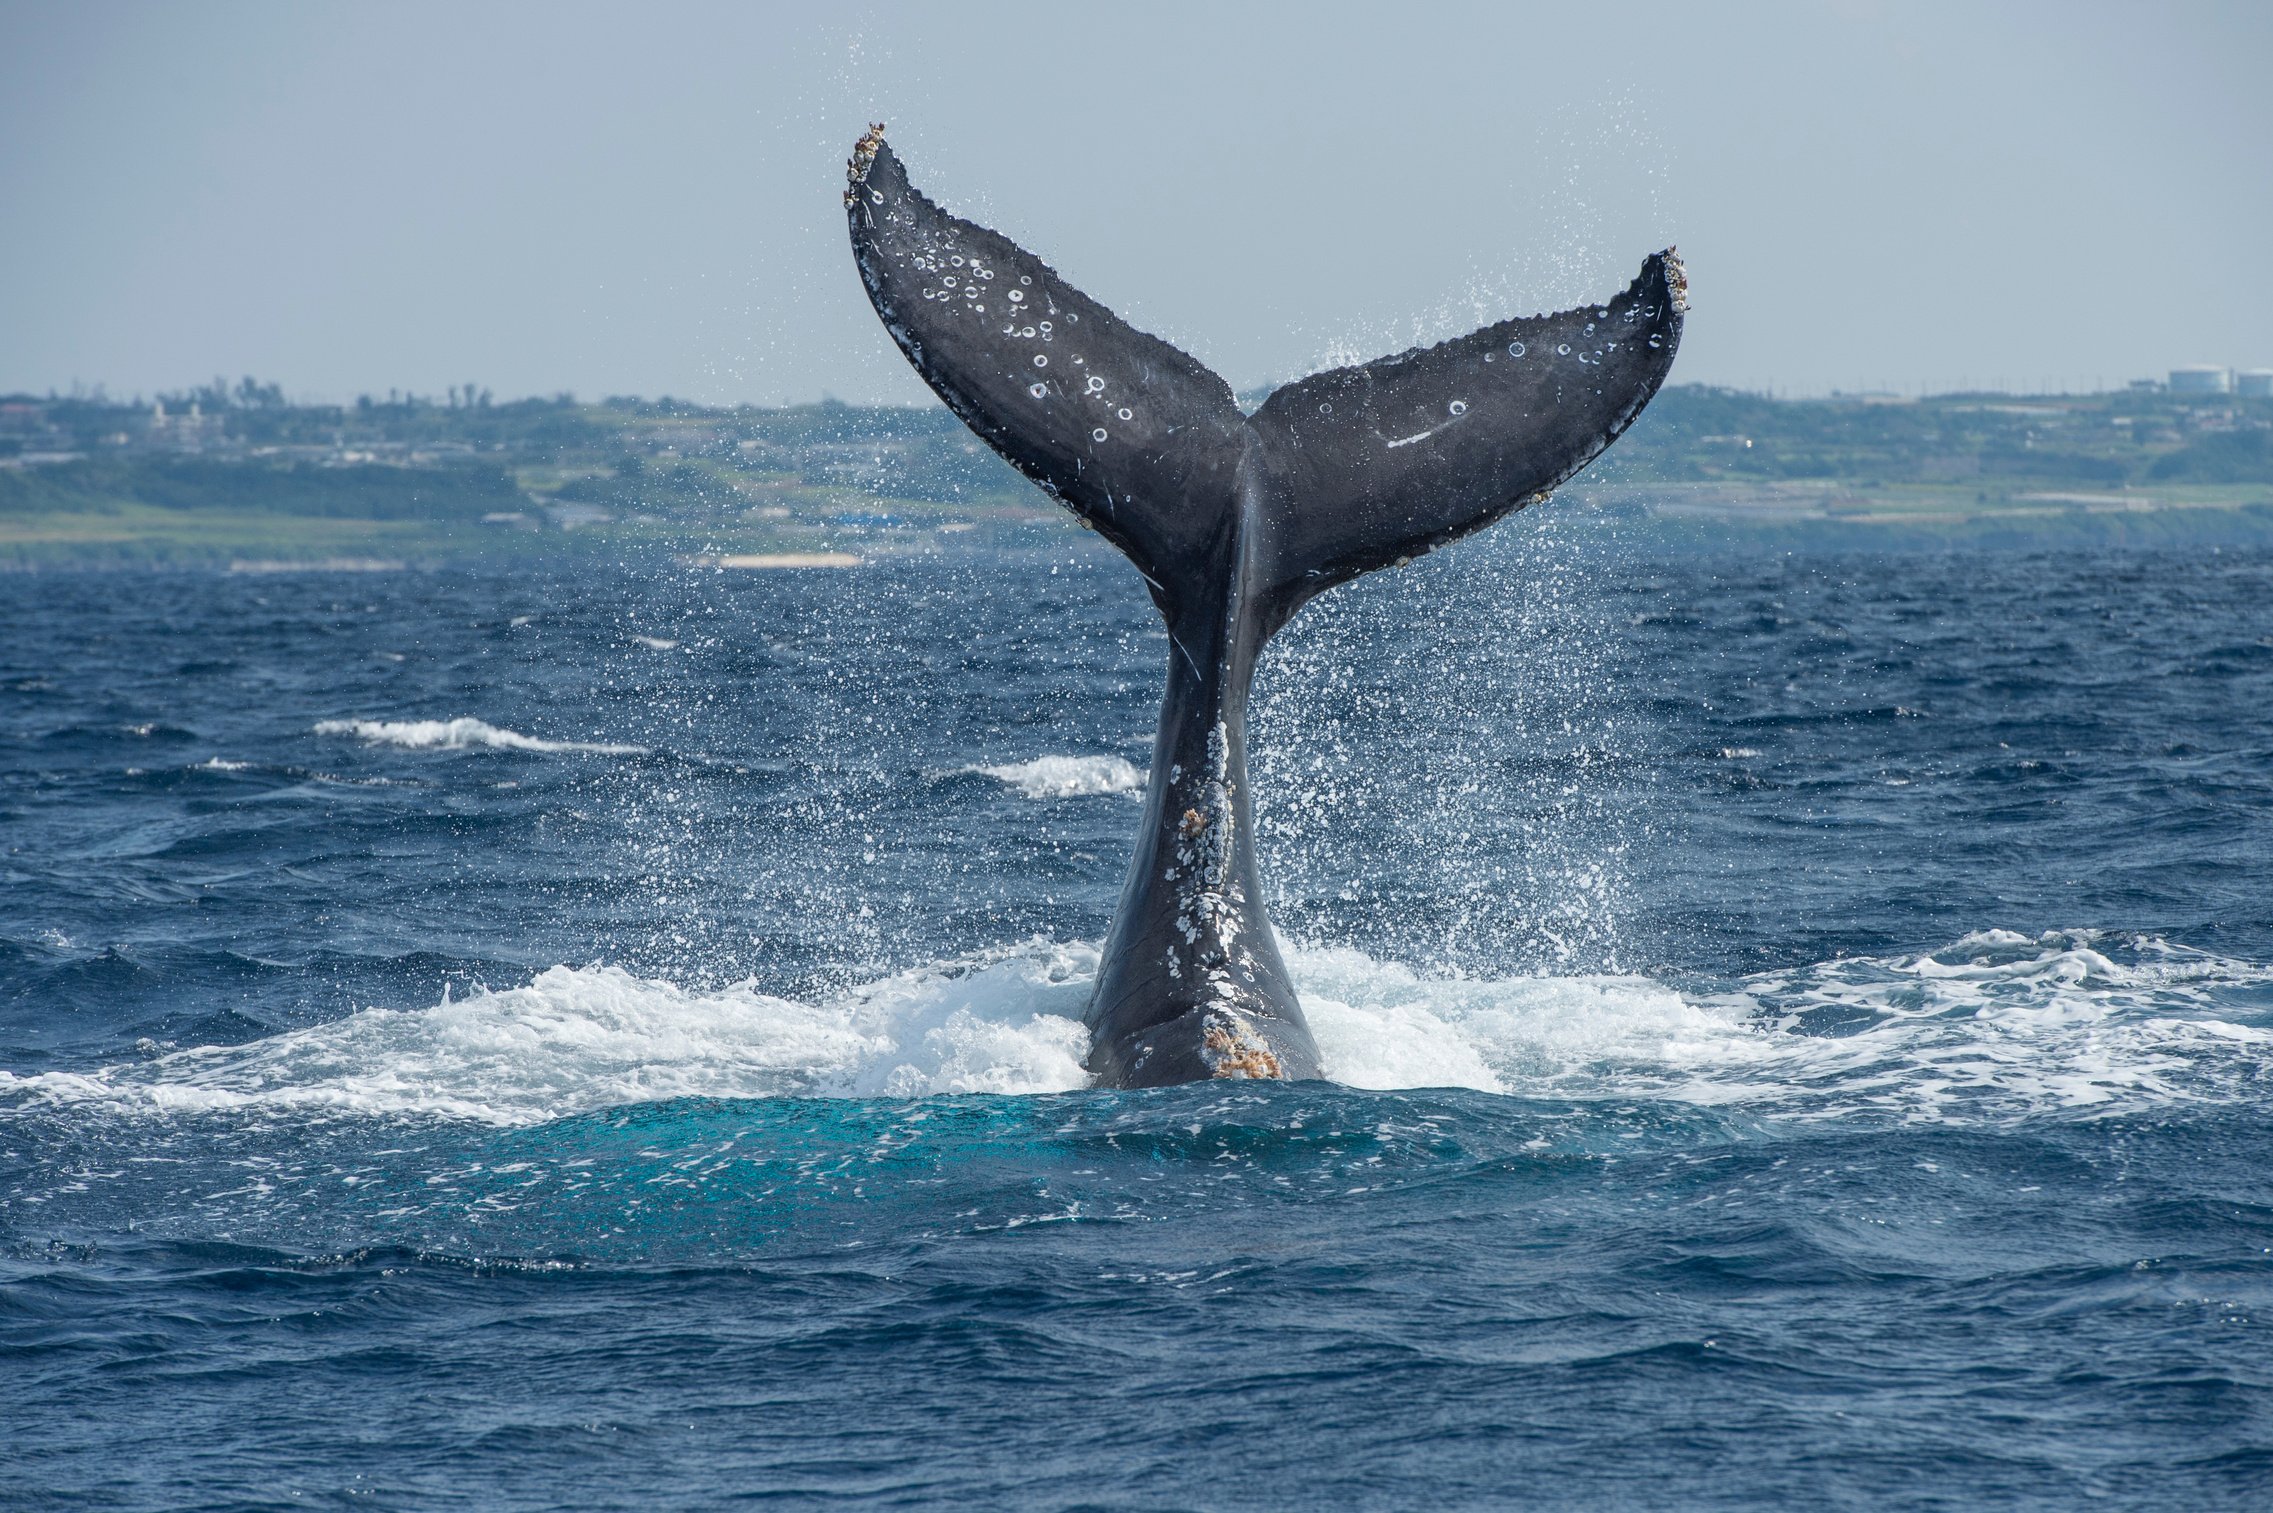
644 199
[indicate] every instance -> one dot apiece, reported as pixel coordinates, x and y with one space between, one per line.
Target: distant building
193 432
2254 383
2200 380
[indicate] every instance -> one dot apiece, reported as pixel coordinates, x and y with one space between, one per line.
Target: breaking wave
1994 1028
461 735
1064 777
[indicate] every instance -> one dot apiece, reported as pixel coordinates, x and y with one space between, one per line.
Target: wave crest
1060 777
460 735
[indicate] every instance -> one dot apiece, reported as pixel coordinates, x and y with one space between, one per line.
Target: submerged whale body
1235 521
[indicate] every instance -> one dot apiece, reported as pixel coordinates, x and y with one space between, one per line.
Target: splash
1995 1028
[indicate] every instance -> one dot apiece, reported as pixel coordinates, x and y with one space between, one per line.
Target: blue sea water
610 1039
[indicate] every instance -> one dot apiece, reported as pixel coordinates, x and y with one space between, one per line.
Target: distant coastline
237 477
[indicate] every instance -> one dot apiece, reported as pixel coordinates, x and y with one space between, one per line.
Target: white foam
1996 1028
461 735
1380 1025
583 1038
1062 777
656 643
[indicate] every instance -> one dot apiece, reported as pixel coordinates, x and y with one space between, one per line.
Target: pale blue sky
620 199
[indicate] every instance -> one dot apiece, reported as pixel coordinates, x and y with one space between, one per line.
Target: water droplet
1041 361
1098 434
1458 407
1657 341
1602 315
1039 391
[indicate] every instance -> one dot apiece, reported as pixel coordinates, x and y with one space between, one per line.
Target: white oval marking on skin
1124 414
1016 295
1515 349
1039 391
1041 360
1458 407
1096 384
1098 434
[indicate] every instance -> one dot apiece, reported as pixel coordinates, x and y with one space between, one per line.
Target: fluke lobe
1235 521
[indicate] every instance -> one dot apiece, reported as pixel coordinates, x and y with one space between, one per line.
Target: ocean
609 1039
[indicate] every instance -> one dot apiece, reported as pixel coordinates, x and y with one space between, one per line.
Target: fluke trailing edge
1235 521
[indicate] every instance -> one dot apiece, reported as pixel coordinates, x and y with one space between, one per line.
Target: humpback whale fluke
1235 521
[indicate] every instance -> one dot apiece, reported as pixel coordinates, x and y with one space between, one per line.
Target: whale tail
1334 475
1235 521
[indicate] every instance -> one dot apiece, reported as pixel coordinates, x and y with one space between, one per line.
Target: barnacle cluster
863 154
